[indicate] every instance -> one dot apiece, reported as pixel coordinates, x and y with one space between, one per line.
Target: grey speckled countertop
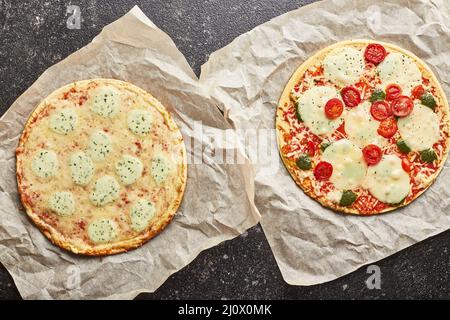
34 37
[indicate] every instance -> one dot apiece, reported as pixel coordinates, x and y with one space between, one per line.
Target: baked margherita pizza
101 167
363 127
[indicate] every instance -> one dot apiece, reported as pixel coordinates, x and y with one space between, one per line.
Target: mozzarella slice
129 169
311 108
102 230
387 181
106 101
45 164
100 145
140 121
361 127
141 214
62 203
64 121
344 66
348 164
105 190
81 168
420 129
399 69
161 168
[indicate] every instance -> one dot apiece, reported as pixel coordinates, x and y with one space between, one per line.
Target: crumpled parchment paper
312 244
218 202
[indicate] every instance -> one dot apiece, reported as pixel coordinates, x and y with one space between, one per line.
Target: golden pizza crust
305 184
107 248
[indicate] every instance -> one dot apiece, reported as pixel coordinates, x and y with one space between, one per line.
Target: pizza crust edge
305 184
117 247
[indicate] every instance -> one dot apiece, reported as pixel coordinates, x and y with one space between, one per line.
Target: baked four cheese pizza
101 167
363 127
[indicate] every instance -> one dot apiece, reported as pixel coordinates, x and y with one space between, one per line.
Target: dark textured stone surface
34 36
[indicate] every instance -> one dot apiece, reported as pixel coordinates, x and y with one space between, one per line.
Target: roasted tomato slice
402 106
406 165
372 154
387 127
311 148
351 96
323 171
334 108
380 110
417 92
393 91
375 53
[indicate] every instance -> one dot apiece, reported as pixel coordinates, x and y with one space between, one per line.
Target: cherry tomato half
351 96
393 91
380 110
323 171
387 127
406 165
372 154
375 53
402 106
417 92
334 108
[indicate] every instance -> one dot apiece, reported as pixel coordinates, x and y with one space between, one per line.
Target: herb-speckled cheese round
387 181
106 101
344 66
100 145
102 230
45 164
399 69
420 129
64 121
106 189
349 167
141 214
81 167
161 168
62 203
311 105
140 122
362 128
129 169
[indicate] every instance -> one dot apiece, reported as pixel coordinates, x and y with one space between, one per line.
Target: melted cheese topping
420 129
399 69
361 127
106 190
106 101
129 169
81 168
63 121
140 122
62 203
161 168
348 164
45 164
387 181
141 214
102 230
334 196
311 108
344 66
100 145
